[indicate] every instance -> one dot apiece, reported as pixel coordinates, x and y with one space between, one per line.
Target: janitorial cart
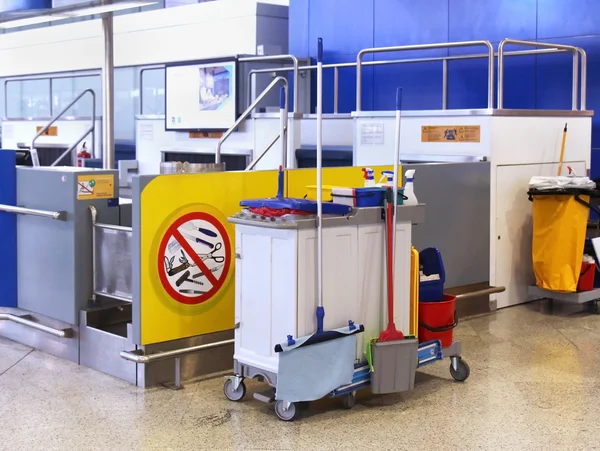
327 293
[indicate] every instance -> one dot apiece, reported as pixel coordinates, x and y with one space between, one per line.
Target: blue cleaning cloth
311 372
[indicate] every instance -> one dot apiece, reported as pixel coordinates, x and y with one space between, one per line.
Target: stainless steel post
583 55
178 373
94 215
336 83
575 86
444 84
108 92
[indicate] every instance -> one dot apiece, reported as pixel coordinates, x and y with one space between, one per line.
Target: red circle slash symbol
194 258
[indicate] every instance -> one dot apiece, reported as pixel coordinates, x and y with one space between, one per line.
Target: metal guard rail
59 215
23 320
44 129
249 110
576 51
265 150
294 68
443 59
445 45
138 357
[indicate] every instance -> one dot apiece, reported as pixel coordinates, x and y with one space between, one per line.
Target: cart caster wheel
349 400
462 372
231 393
595 308
285 411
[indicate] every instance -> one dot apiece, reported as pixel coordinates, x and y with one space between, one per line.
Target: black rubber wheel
462 373
234 395
286 415
594 308
349 400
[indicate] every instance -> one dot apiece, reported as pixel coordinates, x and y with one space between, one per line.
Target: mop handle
396 179
320 172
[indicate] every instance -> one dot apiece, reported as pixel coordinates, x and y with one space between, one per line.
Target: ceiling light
51 15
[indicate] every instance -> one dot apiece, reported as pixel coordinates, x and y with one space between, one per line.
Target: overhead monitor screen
201 96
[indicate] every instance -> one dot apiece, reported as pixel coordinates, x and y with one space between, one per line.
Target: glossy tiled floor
534 385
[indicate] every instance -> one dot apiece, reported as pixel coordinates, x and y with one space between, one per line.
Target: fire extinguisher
83 154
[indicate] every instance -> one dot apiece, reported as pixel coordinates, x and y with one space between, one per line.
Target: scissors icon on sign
211 256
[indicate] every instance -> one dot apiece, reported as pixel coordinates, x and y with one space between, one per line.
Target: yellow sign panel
186 239
52 130
187 260
450 133
95 186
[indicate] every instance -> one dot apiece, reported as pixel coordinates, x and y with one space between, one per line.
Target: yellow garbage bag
559 230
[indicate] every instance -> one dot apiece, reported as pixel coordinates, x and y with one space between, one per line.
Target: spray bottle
368 175
409 190
389 179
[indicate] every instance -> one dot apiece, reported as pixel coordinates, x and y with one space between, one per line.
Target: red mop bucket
437 320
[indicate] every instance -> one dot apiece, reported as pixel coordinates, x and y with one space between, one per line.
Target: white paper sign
146 132
372 133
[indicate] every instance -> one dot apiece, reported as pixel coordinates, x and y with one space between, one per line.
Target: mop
391 333
311 367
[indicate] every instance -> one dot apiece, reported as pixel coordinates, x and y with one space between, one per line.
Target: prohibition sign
194 258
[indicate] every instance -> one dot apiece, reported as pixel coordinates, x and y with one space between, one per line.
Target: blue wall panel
400 22
564 18
492 20
8 230
23 5
298 27
346 26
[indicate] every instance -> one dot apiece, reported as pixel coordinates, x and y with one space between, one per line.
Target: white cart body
276 275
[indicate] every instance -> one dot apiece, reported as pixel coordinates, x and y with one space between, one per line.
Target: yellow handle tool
414 291
562 150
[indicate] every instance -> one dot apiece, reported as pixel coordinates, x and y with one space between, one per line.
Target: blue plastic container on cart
430 260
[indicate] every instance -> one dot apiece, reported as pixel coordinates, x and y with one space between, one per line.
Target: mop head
312 372
313 366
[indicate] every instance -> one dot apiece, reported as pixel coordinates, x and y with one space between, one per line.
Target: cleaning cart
316 284
561 207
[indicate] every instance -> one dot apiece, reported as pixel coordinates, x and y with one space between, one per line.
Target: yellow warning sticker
95 186
450 133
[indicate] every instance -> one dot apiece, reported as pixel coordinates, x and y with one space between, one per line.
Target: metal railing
265 150
248 111
445 45
25 321
444 59
59 215
44 129
274 58
138 357
576 51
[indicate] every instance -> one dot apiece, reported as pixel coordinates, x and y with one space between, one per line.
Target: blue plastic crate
430 260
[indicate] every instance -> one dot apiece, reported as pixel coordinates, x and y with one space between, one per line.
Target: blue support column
8 230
